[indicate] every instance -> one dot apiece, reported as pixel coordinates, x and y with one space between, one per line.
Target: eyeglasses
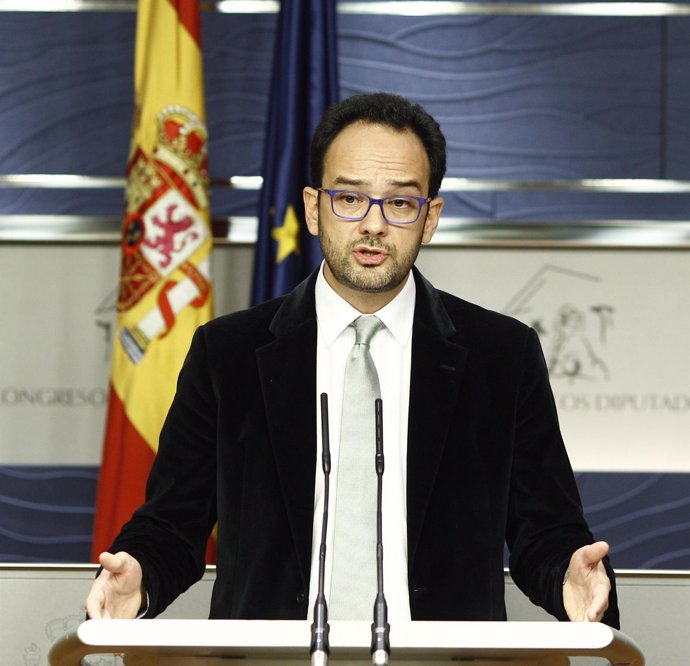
355 206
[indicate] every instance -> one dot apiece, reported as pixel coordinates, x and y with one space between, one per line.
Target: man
474 456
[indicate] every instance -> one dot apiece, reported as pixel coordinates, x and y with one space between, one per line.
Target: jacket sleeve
545 520
169 532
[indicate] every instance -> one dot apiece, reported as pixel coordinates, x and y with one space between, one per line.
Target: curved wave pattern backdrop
46 513
519 97
524 97
539 98
645 517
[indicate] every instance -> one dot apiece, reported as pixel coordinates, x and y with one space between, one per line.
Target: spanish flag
165 288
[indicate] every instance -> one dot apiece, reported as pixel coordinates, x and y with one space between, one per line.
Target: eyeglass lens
396 209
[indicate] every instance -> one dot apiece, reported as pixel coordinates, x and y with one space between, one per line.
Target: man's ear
311 209
432 218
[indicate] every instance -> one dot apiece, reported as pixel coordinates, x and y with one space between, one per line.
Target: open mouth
369 256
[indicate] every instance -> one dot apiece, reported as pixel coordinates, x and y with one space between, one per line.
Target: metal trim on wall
452 232
392 7
26 568
450 8
450 184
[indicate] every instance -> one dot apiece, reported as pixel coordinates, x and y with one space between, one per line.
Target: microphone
320 647
380 629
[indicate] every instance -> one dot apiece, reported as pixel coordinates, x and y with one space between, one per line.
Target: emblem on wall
564 307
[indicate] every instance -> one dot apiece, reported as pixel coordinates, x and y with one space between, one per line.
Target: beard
369 279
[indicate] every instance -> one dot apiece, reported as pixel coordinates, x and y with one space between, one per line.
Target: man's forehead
365 127
364 145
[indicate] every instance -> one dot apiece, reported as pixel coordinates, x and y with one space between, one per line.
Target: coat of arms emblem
164 227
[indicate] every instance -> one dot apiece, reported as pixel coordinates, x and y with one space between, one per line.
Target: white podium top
225 642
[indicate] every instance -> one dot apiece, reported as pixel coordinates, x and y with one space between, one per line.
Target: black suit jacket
486 465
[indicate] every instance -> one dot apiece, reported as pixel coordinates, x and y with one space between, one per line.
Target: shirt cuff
144 608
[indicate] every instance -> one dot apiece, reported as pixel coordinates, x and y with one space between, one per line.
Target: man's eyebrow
358 182
352 182
405 183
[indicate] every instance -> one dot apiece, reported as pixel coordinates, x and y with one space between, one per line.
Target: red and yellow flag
165 289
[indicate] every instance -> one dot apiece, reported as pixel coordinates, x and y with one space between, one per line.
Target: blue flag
304 84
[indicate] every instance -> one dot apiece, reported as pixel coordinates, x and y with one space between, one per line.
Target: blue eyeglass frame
422 201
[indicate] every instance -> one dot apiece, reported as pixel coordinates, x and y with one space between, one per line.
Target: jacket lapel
287 369
437 367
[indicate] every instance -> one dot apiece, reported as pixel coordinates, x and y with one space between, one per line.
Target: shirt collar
335 314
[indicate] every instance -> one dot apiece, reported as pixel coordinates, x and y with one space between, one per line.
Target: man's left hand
587 586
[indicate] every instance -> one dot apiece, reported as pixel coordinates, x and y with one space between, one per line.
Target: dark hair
380 109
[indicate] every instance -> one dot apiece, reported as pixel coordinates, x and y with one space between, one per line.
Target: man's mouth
369 256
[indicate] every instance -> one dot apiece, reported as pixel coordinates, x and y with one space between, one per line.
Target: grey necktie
353 583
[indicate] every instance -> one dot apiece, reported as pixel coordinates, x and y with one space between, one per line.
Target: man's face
367 261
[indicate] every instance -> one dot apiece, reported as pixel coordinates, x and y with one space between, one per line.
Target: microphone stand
320 647
380 629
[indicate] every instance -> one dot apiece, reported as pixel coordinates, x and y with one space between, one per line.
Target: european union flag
304 84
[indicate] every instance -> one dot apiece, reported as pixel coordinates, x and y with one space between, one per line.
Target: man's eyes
400 202
350 198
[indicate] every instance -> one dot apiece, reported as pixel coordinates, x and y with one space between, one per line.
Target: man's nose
373 223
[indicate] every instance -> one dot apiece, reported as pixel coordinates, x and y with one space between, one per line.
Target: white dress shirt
391 351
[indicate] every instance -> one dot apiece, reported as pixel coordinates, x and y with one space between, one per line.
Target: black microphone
320 647
380 629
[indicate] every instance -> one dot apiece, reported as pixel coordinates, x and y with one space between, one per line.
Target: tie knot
365 328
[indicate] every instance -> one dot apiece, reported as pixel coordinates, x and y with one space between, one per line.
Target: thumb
114 563
595 552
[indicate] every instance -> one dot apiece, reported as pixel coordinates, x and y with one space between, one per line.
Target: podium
269 643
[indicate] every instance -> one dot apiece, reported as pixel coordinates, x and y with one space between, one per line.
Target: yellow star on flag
287 236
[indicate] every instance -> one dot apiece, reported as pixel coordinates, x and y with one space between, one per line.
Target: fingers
95 601
94 606
599 602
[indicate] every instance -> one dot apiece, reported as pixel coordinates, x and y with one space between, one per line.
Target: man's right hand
118 591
